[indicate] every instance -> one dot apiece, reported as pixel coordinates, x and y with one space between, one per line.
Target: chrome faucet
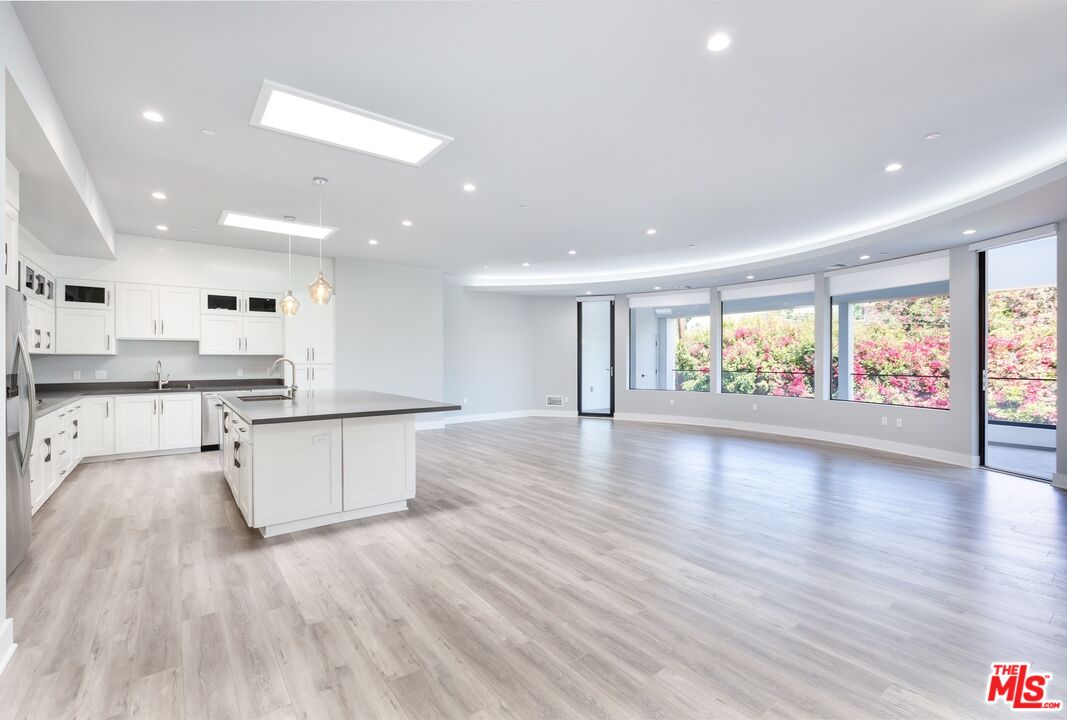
292 366
160 382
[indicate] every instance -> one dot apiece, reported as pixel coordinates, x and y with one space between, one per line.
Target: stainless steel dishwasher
209 421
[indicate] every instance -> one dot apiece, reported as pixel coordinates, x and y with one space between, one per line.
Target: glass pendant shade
321 290
290 304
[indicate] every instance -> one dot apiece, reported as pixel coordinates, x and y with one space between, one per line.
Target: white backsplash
136 360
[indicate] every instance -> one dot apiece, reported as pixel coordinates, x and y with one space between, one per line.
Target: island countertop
329 405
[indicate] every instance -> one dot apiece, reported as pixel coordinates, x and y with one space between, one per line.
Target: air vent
553 400
836 266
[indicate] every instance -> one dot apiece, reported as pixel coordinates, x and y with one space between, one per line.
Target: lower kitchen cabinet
43 475
179 421
156 421
97 425
136 423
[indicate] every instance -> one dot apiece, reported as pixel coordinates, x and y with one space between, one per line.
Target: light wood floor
549 568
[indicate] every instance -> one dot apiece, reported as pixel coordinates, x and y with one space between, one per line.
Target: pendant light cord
290 263
320 229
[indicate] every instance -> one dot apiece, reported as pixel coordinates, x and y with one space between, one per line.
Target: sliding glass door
1019 354
596 357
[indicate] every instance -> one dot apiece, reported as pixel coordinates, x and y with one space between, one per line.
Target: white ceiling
603 119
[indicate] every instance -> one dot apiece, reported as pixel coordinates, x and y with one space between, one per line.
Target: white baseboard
897 448
134 456
483 417
1059 480
7 643
332 518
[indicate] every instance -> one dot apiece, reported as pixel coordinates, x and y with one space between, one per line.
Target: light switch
240 372
100 374
77 374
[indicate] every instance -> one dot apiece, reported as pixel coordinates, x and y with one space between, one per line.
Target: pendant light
289 303
320 288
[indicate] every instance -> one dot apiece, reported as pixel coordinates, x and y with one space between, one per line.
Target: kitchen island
320 457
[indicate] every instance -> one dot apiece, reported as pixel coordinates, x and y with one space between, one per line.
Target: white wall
555 351
390 328
488 351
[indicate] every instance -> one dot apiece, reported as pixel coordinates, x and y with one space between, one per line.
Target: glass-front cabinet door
263 304
82 293
221 302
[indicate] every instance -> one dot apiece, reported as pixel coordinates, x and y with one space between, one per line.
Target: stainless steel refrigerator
21 417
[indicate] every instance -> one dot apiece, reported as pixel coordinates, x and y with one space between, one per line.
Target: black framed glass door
596 357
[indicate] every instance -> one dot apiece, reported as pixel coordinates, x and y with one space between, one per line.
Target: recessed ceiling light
152 116
309 116
750 277
523 207
969 231
162 228
469 187
893 167
193 228
692 244
656 288
933 136
865 257
275 225
588 292
405 223
572 252
207 131
650 231
526 264
719 42
485 267
159 196
372 241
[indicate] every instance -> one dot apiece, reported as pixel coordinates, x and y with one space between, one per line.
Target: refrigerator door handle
31 391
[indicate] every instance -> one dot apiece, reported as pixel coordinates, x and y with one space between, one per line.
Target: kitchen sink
258 398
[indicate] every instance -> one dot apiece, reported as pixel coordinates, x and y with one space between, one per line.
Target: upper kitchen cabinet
85 331
221 302
93 294
36 283
150 312
310 334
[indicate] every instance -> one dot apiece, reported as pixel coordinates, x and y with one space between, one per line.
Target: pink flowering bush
1021 352
769 353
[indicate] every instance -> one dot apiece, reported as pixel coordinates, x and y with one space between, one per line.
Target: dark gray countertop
54 396
330 405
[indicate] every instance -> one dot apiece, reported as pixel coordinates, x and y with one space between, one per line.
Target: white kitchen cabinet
156 421
221 302
221 334
385 471
310 335
179 420
136 311
151 312
242 468
315 377
179 313
136 423
40 327
310 451
77 452
262 304
97 425
64 446
263 336
85 331
43 461
35 282
11 246
240 335
94 294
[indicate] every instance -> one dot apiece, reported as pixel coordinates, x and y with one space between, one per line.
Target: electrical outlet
240 372
900 422
464 401
566 399
671 401
885 421
77 374
100 375
755 406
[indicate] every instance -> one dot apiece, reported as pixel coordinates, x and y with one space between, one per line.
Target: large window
768 339
670 341
890 334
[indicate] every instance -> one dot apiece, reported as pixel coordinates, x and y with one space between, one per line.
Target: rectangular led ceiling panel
275 225
295 112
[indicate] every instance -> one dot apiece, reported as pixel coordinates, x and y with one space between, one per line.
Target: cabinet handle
107 298
312 354
161 327
62 432
154 404
107 409
307 354
236 452
153 327
109 341
161 408
48 334
238 344
48 442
